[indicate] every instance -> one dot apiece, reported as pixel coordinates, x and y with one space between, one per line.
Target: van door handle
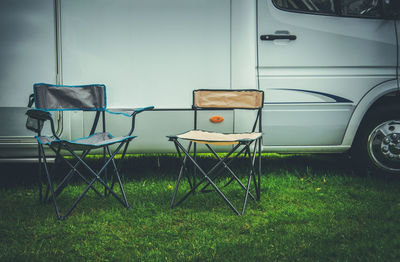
277 37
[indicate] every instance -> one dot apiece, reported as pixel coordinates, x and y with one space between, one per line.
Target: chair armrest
133 115
39 117
39 114
140 110
135 112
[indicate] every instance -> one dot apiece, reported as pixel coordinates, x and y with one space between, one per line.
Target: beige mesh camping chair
247 144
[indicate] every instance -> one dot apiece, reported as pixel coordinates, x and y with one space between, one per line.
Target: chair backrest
228 99
59 97
222 99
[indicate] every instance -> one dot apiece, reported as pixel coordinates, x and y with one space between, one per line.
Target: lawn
312 208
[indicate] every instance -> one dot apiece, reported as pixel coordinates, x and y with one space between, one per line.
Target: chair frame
41 116
223 163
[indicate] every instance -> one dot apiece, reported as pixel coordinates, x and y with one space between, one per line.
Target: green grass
313 208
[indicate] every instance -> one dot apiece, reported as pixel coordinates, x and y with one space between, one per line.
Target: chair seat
94 141
207 137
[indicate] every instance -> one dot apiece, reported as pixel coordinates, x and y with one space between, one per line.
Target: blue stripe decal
338 99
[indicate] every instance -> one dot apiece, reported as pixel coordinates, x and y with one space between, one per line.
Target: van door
315 62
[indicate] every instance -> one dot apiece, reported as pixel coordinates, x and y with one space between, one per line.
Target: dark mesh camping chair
49 98
247 144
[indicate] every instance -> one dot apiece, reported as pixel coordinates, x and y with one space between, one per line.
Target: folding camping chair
49 98
247 144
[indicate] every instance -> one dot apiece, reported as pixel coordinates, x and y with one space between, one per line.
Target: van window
312 6
366 8
356 8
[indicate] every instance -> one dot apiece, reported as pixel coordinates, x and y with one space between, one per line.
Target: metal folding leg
181 172
49 182
119 165
207 175
234 177
74 170
96 177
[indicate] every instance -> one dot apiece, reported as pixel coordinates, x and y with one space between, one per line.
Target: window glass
357 8
361 8
313 6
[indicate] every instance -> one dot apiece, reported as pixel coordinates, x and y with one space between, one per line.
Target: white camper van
329 69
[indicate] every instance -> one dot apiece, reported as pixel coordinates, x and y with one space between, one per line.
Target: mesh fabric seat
247 144
91 142
206 137
49 98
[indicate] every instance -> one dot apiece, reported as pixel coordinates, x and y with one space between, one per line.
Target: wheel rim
384 146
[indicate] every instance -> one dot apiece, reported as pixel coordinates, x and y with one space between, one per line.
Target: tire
376 147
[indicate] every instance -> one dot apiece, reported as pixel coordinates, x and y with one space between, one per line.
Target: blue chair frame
48 98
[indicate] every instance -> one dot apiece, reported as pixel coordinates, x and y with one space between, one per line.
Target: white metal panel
325 41
243 44
151 52
313 83
325 149
305 125
27 55
243 57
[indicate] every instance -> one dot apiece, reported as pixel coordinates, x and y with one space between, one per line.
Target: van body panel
367 101
305 125
243 44
317 87
313 83
324 41
27 54
151 52
326 149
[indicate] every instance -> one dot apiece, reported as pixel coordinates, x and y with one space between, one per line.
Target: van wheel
377 145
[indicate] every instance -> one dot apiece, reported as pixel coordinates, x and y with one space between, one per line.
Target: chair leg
246 194
227 164
97 175
70 174
259 170
105 170
251 175
250 155
256 172
234 177
97 178
183 166
53 171
120 162
194 168
206 176
40 173
50 184
116 173
90 184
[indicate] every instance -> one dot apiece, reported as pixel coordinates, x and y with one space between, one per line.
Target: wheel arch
380 95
